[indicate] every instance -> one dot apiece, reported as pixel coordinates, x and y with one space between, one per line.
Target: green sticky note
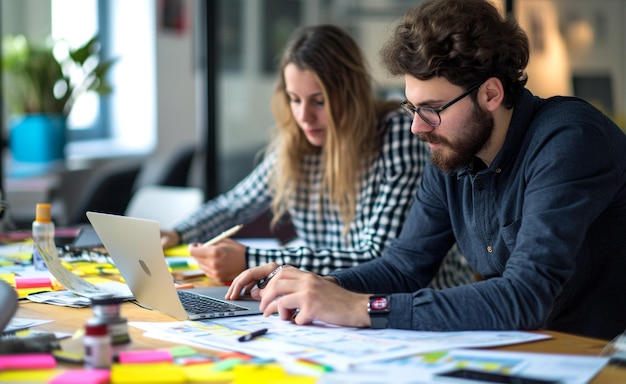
182 351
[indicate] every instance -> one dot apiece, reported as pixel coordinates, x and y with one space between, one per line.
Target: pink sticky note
148 356
32 282
27 361
82 376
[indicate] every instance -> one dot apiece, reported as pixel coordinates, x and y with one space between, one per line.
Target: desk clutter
230 350
105 355
178 364
82 269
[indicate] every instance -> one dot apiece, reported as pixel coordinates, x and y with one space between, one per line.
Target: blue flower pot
37 138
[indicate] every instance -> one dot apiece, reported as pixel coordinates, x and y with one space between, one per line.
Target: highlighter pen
224 235
252 335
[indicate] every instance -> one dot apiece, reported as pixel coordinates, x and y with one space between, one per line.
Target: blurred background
192 80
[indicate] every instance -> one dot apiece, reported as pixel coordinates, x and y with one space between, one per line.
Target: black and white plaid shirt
386 193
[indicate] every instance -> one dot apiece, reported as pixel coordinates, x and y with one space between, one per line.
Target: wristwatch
378 308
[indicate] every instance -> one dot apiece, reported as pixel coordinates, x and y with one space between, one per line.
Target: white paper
565 369
337 347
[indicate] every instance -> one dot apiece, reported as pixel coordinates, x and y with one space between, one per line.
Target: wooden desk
71 319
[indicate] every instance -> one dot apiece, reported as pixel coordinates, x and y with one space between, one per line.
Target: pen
263 282
252 335
226 234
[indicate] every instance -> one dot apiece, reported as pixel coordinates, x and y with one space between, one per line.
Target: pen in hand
224 235
252 335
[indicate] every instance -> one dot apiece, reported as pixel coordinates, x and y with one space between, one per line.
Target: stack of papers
71 299
365 355
79 291
338 347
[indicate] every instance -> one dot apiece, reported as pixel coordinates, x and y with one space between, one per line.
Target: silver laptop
8 302
135 247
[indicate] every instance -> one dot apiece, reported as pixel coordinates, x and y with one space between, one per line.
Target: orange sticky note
233 355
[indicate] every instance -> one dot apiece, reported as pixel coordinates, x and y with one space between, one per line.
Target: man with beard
533 190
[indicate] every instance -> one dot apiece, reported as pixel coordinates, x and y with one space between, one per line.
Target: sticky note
233 355
177 264
82 376
146 356
151 373
28 376
195 359
8 277
27 361
179 250
226 365
248 373
182 350
32 282
23 292
203 373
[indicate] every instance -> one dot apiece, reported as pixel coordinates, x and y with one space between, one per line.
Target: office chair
165 204
108 191
171 170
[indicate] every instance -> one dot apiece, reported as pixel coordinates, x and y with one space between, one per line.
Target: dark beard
474 136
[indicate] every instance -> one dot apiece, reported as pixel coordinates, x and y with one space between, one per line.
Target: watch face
379 304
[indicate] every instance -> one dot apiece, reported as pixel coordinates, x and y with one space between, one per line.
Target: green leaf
37 82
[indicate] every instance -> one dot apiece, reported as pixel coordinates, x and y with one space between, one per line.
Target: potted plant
41 84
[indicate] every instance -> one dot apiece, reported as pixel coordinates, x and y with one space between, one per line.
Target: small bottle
43 234
98 348
106 309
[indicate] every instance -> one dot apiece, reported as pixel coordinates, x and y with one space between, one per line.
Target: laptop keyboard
197 304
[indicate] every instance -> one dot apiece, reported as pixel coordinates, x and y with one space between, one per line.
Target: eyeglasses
431 115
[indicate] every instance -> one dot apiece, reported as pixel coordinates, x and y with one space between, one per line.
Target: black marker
252 335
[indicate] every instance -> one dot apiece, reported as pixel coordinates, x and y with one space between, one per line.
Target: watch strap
378 308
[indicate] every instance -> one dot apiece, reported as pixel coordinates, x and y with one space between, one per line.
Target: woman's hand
169 239
222 261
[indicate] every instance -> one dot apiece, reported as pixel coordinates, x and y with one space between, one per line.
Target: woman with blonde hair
342 165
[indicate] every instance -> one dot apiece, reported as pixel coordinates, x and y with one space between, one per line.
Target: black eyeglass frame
411 110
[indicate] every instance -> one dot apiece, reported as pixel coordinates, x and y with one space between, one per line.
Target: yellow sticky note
245 373
179 250
203 373
9 278
147 373
268 373
28 376
23 292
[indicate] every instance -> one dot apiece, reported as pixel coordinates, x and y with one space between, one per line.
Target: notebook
135 246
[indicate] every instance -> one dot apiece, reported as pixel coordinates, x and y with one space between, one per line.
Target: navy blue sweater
545 224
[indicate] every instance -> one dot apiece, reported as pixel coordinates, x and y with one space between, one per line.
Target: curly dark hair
464 41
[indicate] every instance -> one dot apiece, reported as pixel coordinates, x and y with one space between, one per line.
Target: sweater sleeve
246 201
385 195
384 201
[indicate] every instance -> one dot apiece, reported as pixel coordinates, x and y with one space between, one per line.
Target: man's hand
303 296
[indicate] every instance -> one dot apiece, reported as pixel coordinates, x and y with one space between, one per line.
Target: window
84 120
127 118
